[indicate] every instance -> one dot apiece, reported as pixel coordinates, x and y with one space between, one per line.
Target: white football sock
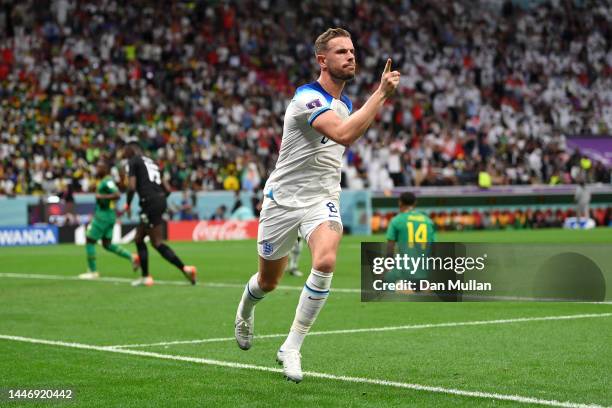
251 295
312 299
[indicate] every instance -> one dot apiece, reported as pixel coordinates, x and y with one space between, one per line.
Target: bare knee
323 244
325 262
269 283
270 273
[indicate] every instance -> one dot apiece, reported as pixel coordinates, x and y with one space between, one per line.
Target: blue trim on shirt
317 113
316 86
347 102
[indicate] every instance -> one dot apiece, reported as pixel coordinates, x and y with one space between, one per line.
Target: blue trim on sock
252 295
316 292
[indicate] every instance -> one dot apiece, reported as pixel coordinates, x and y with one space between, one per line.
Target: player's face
101 169
128 152
340 58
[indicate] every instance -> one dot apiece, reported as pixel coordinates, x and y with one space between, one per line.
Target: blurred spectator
518 218
185 209
582 197
484 178
242 213
219 214
67 196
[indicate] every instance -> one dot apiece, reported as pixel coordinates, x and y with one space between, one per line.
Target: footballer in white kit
302 193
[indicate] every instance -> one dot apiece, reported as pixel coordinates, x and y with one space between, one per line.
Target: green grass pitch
568 361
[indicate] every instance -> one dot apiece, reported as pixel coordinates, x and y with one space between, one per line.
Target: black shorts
152 211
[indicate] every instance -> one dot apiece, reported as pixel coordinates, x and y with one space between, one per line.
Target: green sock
91 257
119 251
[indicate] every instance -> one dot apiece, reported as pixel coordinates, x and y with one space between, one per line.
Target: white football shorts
279 226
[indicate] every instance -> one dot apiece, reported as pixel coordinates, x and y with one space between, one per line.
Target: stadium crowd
486 86
519 218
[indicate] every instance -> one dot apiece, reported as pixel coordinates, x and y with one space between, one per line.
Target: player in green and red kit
413 232
103 222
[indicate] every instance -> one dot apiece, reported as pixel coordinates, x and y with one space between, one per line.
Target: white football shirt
308 166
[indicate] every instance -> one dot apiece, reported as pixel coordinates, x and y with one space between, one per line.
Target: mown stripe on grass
378 329
157 282
314 374
206 284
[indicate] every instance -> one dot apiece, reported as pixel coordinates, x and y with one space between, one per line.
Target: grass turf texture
553 360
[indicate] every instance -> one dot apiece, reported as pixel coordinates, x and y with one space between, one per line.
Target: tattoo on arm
335 226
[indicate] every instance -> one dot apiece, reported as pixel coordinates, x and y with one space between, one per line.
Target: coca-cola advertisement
211 230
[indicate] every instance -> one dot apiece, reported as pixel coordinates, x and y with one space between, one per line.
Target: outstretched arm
346 132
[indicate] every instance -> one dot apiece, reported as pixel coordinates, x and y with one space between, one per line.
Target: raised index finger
388 66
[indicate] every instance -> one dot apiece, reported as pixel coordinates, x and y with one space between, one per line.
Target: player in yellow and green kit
413 232
103 222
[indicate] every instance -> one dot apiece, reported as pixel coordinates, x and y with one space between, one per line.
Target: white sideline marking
379 329
241 285
361 380
157 282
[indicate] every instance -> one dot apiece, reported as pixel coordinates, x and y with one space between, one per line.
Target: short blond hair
320 44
